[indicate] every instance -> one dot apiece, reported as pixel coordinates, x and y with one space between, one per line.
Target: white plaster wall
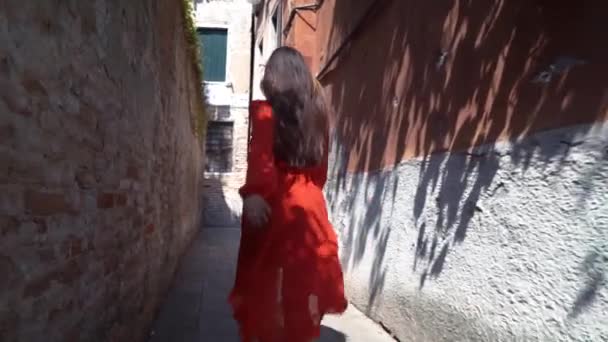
235 15
222 202
265 43
258 73
506 243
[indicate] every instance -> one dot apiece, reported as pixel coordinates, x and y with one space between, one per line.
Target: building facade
468 173
278 23
224 28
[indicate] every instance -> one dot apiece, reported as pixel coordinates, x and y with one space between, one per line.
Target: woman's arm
261 170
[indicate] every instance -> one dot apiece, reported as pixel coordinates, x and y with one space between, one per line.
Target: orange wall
392 102
303 36
336 19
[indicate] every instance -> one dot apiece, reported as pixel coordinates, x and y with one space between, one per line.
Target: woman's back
294 254
289 273
263 163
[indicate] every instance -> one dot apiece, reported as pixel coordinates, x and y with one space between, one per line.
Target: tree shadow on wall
594 268
447 76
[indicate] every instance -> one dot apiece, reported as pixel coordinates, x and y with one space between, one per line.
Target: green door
214 44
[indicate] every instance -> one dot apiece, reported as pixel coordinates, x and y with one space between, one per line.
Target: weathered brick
118 333
66 275
7 133
15 100
72 334
41 224
11 200
42 203
121 200
150 228
105 240
62 309
125 184
138 221
111 263
59 174
26 168
105 201
72 246
34 87
133 171
5 168
85 179
8 226
47 255
11 274
73 151
9 323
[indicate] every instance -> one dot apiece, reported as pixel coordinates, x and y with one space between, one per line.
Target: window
219 146
214 42
218 112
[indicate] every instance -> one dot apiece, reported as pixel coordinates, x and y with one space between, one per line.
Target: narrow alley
196 308
466 178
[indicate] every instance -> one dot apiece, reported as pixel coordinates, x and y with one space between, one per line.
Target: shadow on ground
331 335
196 309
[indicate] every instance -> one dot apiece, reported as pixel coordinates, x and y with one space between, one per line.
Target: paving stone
197 308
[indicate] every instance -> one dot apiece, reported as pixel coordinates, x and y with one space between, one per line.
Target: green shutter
215 45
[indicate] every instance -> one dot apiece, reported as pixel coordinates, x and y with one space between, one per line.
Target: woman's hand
256 210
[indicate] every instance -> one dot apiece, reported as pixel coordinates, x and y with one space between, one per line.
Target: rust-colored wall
303 36
336 19
392 101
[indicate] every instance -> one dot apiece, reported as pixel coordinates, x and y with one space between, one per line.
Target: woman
288 274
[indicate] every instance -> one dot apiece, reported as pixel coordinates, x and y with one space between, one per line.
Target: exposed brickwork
221 199
46 203
100 172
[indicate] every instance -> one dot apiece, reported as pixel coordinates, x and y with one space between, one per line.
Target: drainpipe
307 7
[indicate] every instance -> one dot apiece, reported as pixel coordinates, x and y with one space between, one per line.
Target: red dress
288 273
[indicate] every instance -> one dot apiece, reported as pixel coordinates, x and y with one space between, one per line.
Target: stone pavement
196 307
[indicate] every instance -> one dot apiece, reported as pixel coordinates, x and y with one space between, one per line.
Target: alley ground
196 308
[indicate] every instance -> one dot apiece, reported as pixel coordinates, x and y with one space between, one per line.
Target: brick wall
100 172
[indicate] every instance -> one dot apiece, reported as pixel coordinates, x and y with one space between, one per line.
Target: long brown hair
299 109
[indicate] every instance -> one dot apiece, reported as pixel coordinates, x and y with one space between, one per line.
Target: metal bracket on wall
294 10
